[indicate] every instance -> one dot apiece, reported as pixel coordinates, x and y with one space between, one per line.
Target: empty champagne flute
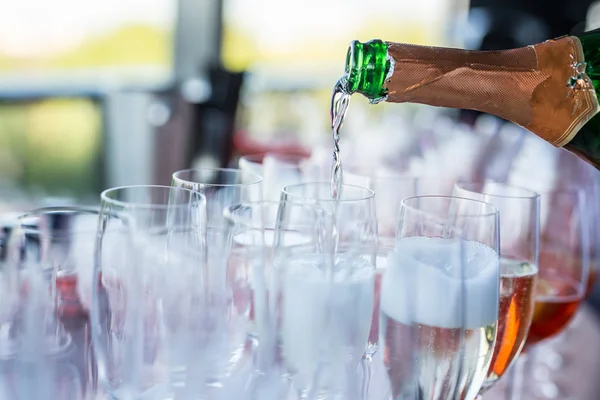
45 339
519 248
339 282
154 331
222 187
439 298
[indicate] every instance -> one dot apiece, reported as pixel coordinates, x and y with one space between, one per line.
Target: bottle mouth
353 66
367 66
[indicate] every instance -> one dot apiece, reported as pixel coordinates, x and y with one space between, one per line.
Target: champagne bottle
550 89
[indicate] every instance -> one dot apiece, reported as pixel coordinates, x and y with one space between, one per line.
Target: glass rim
493 209
39 212
104 197
371 193
526 193
257 158
177 179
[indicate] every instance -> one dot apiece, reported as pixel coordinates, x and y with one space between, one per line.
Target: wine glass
154 328
563 271
440 296
260 232
554 354
221 187
45 340
339 282
519 248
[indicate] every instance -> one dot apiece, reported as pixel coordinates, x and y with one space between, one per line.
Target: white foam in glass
430 281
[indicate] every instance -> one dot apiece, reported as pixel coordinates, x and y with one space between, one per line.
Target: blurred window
295 51
57 58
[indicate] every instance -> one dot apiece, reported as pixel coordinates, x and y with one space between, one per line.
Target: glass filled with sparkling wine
563 270
440 298
519 247
328 292
563 263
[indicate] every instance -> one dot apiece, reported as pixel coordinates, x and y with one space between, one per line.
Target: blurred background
102 94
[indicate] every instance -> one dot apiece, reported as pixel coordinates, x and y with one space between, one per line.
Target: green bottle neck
367 67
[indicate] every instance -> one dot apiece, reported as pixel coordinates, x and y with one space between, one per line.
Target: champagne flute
550 356
338 281
563 271
152 325
440 296
261 232
519 241
222 187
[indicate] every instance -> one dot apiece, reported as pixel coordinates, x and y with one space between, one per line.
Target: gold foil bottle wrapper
542 88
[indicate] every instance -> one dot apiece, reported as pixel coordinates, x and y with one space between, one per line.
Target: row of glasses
151 297
229 300
520 208
320 195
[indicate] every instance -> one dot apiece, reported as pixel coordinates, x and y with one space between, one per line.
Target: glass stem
516 380
366 363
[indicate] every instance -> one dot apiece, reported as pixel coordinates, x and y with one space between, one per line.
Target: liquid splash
340 100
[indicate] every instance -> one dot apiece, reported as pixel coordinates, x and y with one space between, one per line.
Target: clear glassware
352 218
339 283
260 232
553 355
45 338
440 298
159 329
563 272
222 187
519 249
